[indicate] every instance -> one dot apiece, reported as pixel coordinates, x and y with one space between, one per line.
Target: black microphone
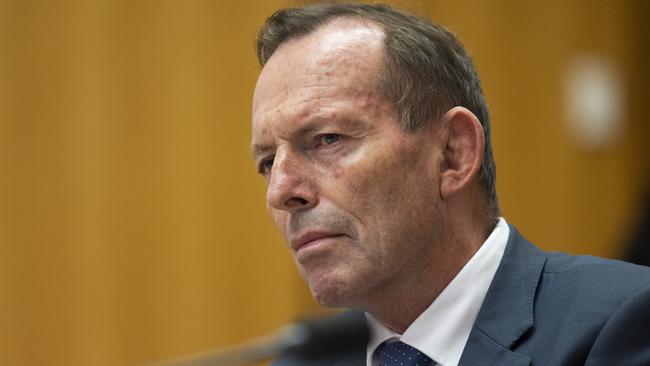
308 340
329 336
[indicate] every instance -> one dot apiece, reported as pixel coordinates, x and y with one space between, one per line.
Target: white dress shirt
442 330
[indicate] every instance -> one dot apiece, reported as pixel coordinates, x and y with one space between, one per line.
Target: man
372 133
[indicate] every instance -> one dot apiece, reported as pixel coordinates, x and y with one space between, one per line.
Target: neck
413 293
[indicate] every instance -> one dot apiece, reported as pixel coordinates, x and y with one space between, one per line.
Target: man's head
426 70
371 163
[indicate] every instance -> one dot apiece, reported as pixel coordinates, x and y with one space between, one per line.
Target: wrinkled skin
340 173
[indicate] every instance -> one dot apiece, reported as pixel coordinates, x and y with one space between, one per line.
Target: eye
329 138
265 165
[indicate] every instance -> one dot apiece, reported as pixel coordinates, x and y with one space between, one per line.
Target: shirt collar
442 330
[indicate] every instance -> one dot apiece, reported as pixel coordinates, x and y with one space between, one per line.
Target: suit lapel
482 350
507 311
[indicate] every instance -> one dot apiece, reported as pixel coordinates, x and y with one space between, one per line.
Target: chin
331 291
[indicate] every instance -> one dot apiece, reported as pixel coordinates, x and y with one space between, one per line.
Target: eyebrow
260 149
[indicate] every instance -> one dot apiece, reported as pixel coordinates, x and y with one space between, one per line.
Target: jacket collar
507 311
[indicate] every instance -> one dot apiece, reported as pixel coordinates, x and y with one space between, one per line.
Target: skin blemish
337 172
302 115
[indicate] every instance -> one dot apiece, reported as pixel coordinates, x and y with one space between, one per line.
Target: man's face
355 197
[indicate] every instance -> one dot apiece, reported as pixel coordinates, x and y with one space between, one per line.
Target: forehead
341 57
335 44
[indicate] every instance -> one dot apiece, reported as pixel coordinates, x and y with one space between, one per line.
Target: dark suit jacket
551 309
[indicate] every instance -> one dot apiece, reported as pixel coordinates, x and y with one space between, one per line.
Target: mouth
311 239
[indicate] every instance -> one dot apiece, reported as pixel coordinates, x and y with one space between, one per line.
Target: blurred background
132 223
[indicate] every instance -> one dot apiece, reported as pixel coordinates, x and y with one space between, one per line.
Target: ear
463 150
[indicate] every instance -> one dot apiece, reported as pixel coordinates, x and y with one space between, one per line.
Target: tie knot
400 354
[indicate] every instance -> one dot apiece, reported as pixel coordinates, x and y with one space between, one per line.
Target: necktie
401 354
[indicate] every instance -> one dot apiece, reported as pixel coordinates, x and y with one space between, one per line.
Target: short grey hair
426 69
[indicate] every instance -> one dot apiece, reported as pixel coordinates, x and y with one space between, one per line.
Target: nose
290 187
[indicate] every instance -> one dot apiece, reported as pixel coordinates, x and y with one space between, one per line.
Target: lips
311 237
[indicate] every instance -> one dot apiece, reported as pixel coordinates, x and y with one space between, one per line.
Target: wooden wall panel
133 225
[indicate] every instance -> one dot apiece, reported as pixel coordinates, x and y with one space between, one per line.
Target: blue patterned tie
401 354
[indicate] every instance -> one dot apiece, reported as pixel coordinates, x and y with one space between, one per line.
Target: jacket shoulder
593 276
585 307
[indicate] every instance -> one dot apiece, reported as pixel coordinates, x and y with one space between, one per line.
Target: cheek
280 219
393 189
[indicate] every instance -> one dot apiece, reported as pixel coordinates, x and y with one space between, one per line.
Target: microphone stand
309 340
